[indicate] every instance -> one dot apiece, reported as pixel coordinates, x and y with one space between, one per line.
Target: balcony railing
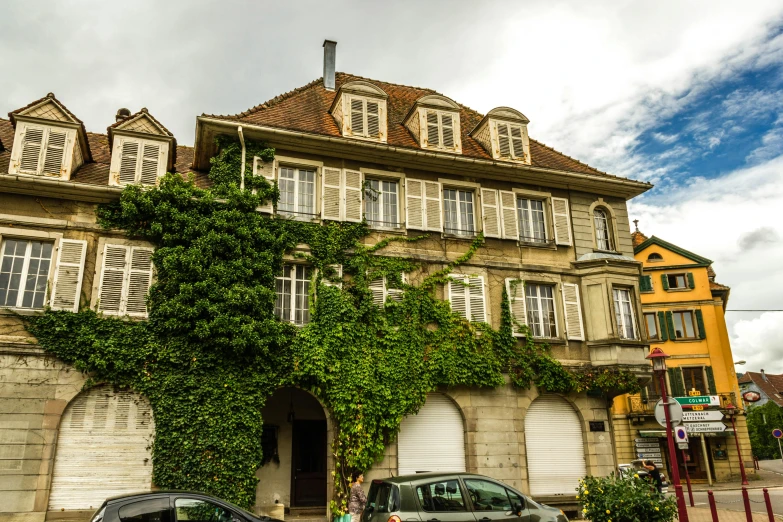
638 405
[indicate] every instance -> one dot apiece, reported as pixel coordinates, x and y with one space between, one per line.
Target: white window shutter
32 144
490 210
395 294
357 117
353 195
447 121
110 290
373 119
414 204
55 152
515 289
573 311
336 279
458 295
68 275
478 304
139 281
504 145
562 221
267 170
433 206
150 160
378 288
128 161
508 215
330 194
433 139
517 143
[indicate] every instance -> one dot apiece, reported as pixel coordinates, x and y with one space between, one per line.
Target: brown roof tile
772 386
306 109
638 238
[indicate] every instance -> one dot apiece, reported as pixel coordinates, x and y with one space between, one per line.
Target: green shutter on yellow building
691 282
662 326
670 326
665 281
700 324
710 380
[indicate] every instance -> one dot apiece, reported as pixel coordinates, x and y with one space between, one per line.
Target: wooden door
308 484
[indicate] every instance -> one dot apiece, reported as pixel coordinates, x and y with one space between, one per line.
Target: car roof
157 493
414 477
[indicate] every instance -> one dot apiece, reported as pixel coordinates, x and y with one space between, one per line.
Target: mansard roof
306 109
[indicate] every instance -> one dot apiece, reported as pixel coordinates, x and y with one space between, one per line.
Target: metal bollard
713 508
746 500
769 506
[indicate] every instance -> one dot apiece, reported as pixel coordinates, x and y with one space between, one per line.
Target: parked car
452 497
637 467
171 506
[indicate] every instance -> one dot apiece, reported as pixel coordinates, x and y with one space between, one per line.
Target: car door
155 509
195 509
442 500
494 502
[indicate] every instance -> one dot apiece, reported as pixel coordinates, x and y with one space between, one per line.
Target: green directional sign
699 400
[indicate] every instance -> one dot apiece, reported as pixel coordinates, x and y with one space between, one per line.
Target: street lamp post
658 358
731 410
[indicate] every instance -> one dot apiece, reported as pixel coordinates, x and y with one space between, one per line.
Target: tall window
532 227
651 323
24 270
683 325
458 208
603 231
623 309
293 290
380 203
540 302
297 192
694 379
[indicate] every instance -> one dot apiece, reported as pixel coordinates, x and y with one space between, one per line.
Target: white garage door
555 448
433 439
102 449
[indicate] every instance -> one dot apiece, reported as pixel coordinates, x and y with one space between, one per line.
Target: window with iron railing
458 211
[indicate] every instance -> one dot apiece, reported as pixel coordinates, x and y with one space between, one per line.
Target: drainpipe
242 173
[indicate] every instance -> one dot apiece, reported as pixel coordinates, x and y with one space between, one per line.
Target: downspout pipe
244 151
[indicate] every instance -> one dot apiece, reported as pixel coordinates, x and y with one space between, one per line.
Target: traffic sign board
675 412
699 400
704 427
702 416
681 435
777 433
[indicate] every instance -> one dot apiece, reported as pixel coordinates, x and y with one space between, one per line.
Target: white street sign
682 445
702 416
704 427
675 412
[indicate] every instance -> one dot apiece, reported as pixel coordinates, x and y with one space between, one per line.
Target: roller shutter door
555 448
433 439
103 449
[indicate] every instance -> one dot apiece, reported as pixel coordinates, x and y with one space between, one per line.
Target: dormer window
434 122
141 161
359 108
43 150
142 149
510 142
440 129
503 133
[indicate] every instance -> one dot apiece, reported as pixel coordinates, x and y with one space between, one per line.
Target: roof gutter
628 188
58 188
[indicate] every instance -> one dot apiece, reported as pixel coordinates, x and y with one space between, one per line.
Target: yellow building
683 314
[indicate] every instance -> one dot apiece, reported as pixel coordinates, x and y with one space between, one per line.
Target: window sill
602 251
388 230
547 245
463 237
679 289
688 340
10 310
293 216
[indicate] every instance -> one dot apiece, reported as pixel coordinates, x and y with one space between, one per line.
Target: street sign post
681 437
675 413
699 400
704 427
777 433
702 416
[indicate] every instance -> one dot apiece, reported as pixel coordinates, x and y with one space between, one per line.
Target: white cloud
759 341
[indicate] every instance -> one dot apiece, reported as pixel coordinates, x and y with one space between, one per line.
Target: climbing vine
212 351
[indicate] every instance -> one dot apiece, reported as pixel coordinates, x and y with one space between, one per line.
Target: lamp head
658 358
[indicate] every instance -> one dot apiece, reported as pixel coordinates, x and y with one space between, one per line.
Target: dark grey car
452 497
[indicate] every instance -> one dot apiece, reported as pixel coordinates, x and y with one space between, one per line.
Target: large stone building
549 220
684 315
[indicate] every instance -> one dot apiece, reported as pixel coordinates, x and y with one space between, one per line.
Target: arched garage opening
103 449
555 447
433 439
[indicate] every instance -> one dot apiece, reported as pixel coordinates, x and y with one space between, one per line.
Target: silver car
452 497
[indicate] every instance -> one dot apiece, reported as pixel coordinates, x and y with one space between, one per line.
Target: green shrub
624 499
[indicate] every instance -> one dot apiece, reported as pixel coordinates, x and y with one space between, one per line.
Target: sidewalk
767 479
704 515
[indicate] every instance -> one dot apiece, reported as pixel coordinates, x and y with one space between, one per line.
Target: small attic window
359 108
434 122
503 133
139 161
44 149
510 141
440 129
365 117
654 257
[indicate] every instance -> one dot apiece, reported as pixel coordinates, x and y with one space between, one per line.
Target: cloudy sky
688 95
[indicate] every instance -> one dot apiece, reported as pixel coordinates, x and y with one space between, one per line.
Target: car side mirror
518 509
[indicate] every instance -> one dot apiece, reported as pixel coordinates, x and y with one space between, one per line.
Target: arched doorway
555 447
103 449
295 440
433 439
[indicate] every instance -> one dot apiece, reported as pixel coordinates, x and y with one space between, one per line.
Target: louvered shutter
491 212
414 204
55 152
357 117
573 311
700 324
711 389
112 278
662 326
504 145
676 382
432 129
128 161
665 281
478 303
562 221
433 209
670 326
447 123
267 170
515 290
68 275
353 195
377 287
32 142
691 282
458 296
508 215
373 119
336 279
149 164
139 280
645 283
395 294
517 143
330 194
